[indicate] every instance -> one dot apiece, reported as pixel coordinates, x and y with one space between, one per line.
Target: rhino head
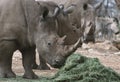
48 43
88 21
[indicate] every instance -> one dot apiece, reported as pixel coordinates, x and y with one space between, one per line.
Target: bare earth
105 51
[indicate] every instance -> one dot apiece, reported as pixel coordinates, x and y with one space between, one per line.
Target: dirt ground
105 51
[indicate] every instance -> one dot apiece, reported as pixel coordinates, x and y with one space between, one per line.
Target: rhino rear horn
61 40
70 9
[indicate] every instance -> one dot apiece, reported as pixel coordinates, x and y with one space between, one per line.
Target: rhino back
13 21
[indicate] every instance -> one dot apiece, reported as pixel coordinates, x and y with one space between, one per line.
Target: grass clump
77 69
82 69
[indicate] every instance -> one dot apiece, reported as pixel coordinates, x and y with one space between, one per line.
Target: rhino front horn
72 48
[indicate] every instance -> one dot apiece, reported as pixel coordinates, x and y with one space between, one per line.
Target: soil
104 51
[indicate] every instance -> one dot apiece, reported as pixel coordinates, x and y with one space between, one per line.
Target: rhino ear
45 13
87 6
61 6
56 12
70 9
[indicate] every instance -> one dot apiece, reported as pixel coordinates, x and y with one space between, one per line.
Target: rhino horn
72 48
61 40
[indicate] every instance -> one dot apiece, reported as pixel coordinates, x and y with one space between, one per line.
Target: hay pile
77 69
82 69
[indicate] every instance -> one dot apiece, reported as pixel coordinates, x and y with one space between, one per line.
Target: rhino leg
34 64
43 65
6 52
27 56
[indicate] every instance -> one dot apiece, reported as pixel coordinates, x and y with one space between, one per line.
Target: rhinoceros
26 25
83 17
76 30
63 29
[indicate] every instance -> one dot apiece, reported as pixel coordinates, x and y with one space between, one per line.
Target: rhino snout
58 63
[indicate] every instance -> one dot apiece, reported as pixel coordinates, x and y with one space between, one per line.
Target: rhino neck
72 36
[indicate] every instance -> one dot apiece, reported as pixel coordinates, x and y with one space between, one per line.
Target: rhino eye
49 43
74 30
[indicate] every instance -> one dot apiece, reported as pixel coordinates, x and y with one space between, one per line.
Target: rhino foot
30 76
43 67
7 75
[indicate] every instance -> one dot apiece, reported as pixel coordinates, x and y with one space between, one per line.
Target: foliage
78 69
82 69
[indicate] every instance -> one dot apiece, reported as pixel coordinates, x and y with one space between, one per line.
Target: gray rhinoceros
64 28
26 25
82 20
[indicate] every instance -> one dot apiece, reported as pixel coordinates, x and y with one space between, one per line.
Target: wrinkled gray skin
84 29
82 14
83 18
79 29
64 28
106 27
77 18
26 25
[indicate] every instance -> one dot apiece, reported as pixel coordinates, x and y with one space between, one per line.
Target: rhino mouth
57 65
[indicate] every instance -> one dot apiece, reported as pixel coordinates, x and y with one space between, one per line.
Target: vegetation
82 69
77 69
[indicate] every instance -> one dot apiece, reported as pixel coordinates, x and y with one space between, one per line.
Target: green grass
77 69
20 79
82 69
